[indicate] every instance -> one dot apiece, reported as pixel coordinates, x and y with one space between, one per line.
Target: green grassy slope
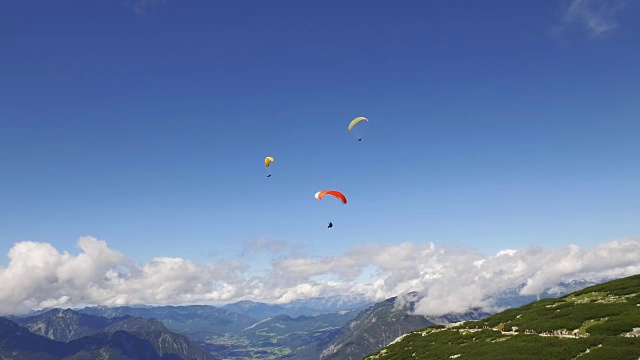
598 322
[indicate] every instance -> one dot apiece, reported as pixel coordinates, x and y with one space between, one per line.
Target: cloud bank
449 280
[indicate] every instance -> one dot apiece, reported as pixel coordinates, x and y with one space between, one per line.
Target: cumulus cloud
38 275
444 280
595 16
468 284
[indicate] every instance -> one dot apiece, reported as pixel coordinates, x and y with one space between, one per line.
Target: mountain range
144 339
303 329
376 326
257 333
231 335
66 325
328 304
300 307
225 333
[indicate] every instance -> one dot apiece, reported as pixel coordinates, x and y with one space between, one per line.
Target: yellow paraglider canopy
357 120
267 161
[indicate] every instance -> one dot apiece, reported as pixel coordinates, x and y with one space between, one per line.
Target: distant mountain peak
333 303
64 333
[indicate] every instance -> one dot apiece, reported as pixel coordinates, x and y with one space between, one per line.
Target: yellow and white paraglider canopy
267 161
354 122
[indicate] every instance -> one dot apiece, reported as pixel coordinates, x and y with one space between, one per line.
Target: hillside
258 310
237 336
195 321
378 325
66 325
334 303
277 337
598 322
301 307
17 342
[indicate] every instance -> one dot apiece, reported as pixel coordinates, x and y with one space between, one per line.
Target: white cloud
465 285
595 16
448 280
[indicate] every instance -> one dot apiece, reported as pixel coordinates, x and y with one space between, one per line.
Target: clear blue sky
493 125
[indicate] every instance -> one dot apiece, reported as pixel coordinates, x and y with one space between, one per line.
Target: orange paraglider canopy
335 193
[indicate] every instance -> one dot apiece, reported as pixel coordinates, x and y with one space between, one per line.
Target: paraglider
357 120
335 193
267 161
354 122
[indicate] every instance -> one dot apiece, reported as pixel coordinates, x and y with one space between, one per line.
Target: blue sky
492 125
